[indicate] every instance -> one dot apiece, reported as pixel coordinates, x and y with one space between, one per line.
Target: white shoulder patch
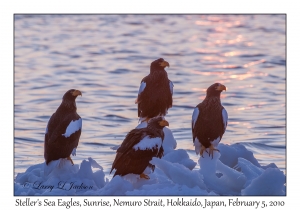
195 116
73 127
171 86
148 143
142 87
225 118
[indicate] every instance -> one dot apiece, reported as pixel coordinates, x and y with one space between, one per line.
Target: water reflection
106 56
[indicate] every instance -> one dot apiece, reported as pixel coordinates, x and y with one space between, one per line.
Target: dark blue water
106 56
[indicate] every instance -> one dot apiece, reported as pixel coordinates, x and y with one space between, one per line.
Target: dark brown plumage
209 121
139 147
155 93
63 129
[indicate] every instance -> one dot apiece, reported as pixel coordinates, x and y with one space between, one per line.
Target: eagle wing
129 158
66 133
130 140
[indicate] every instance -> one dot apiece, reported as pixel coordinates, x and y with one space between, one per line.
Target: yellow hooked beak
163 123
221 87
164 64
77 93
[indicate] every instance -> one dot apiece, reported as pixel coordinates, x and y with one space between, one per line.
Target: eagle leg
142 175
211 151
202 150
69 158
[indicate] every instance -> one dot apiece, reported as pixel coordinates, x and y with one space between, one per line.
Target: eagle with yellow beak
155 92
209 121
63 129
139 147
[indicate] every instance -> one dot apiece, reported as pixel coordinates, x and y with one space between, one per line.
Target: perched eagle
139 147
63 129
209 121
155 92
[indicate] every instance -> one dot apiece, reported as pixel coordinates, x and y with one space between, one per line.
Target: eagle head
71 95
215 89
159 64
158 122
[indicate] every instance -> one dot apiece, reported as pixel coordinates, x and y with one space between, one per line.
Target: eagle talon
202 151
144 176
211 151
69 158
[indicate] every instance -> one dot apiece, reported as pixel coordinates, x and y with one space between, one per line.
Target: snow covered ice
233 171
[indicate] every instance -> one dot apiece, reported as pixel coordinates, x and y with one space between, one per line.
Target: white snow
74 126
270 182
175 174
233 171
148 143
62 178
179 174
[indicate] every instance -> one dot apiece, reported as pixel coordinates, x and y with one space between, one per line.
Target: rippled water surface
106 56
